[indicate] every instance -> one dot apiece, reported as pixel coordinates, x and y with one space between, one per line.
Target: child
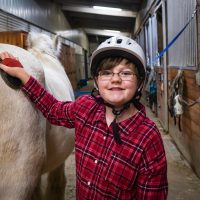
119 150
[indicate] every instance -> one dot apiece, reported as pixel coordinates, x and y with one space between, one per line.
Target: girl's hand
17 71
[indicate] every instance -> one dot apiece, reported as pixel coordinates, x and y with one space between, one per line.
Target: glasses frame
120 74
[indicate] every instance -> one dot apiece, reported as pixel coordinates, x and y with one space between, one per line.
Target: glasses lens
105 74
124 75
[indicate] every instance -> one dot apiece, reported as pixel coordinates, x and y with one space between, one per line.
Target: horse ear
57 45
29 40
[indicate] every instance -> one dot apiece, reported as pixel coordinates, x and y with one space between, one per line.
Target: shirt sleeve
57 112
152 181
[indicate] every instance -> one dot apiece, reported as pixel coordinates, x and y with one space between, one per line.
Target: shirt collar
128 125
100 112
131 124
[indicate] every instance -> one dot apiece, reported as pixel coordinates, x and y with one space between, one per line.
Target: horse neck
40 52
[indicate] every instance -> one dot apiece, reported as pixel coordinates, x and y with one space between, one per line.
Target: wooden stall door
67 58
17 38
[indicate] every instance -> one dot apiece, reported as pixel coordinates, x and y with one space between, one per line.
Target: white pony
29 145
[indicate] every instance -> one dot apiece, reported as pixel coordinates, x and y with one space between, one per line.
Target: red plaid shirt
136 169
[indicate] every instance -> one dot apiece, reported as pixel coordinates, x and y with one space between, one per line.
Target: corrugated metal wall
146 6
12 23
45 14
183 53
141 39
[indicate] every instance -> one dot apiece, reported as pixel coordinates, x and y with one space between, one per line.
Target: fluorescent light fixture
113 31
107 8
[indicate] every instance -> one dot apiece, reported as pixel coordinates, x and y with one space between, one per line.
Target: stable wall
188 138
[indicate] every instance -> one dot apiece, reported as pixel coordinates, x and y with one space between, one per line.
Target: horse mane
47 51
44 43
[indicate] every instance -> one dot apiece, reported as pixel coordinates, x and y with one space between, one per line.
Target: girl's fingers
4 55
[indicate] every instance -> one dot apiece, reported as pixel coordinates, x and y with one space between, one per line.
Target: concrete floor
183 183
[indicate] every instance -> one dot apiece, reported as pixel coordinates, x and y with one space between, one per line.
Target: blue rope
175 38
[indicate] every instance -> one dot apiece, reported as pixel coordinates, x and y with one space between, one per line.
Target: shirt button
104 137
95 161
88 182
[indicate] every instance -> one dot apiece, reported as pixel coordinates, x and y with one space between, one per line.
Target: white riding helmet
119 46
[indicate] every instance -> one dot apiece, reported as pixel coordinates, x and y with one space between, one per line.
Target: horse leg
56 181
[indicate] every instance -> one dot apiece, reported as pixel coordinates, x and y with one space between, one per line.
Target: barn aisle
71 177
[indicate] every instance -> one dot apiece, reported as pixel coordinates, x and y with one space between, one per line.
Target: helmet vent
108 41
119 41
128 42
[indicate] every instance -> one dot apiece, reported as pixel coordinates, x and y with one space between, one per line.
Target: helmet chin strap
114 124
115 111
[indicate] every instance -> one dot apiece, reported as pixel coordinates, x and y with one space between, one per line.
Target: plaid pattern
136 169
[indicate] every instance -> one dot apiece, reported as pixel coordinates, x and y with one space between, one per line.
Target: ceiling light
107 8
113 31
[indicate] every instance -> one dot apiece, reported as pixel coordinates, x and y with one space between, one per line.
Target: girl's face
117 89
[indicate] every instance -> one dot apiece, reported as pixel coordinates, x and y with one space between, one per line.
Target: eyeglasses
124 75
